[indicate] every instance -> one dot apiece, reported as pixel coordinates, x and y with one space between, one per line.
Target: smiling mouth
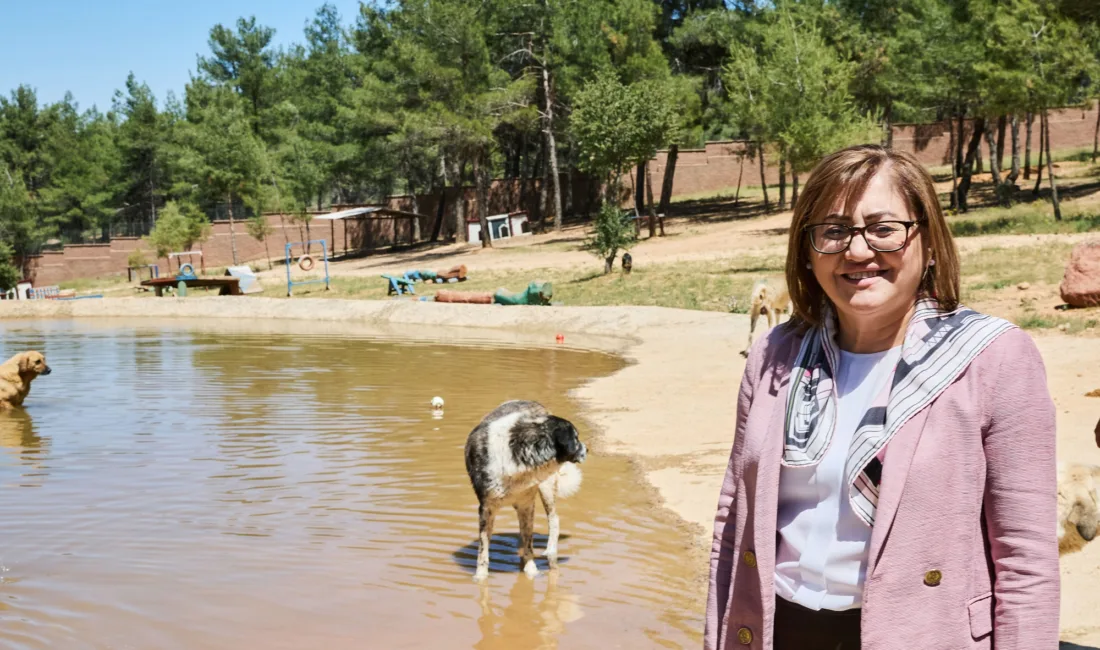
864 275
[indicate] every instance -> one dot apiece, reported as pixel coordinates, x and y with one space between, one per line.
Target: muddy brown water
172 487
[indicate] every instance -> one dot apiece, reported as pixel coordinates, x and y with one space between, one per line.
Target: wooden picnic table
227 286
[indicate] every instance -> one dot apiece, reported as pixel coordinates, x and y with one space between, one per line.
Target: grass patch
1026 219
83 285
707 286
1034 321
997 268
725 194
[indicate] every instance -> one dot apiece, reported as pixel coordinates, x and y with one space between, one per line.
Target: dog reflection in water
522 622
18 437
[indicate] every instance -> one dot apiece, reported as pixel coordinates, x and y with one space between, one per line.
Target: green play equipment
398 285
537 293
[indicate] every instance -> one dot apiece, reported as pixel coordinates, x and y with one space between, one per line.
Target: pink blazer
964 552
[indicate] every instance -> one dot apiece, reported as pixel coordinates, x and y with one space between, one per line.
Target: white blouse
821 558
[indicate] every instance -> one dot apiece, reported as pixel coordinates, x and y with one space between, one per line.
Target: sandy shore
672 408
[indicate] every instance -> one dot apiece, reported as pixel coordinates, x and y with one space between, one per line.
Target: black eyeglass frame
862 231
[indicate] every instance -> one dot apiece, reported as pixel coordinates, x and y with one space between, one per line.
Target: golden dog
16 375
1078 506
769 298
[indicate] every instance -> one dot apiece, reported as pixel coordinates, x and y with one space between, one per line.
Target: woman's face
865 285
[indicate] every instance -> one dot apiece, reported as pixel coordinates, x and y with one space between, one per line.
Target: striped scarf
938 347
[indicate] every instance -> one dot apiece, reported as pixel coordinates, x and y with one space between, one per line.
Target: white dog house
501 226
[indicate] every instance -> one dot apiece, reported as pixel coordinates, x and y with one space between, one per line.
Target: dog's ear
24 362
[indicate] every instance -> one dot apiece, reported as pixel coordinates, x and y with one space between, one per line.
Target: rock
1023 286
1081 282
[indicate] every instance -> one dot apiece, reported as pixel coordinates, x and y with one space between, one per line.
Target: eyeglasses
883 236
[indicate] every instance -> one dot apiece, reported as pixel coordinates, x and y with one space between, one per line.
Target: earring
931 262
809 266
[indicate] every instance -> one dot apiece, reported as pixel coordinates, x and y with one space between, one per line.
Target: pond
173 486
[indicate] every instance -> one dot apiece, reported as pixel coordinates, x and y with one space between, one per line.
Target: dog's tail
569 480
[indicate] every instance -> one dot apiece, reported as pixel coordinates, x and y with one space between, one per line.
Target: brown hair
844 176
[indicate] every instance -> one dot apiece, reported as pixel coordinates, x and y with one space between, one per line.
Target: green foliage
220 151
179 228
616 125
790 88
612 231
9 272
145 139
18 232
259 228
137 258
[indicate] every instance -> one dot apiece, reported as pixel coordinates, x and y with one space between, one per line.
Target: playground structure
131 271
403 284
537 293
186 277
306 263
180 263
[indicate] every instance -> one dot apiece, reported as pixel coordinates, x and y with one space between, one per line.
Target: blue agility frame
324 252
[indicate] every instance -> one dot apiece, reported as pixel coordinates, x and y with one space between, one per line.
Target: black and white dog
516 452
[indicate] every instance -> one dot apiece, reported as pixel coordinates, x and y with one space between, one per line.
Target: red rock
1081 283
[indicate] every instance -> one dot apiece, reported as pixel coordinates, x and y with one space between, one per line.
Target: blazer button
933 578
750 559
744 636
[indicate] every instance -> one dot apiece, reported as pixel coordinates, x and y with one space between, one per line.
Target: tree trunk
1039 171
1030 119
740 175
1002 124
232 234
1014 173
524 173
267 251
441 208
1050 167
639 189
649 204
553 146
794 187
481 180
968 164
415 210
608 264
568 205
544 193
994 167
460 205
670 174
959 140
1096 134
763 178
782 180
888 124
956 164
640 196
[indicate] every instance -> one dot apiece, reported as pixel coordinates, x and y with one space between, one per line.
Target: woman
892 480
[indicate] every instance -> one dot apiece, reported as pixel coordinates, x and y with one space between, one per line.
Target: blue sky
88 47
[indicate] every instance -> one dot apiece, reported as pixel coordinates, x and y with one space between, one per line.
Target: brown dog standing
16 375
